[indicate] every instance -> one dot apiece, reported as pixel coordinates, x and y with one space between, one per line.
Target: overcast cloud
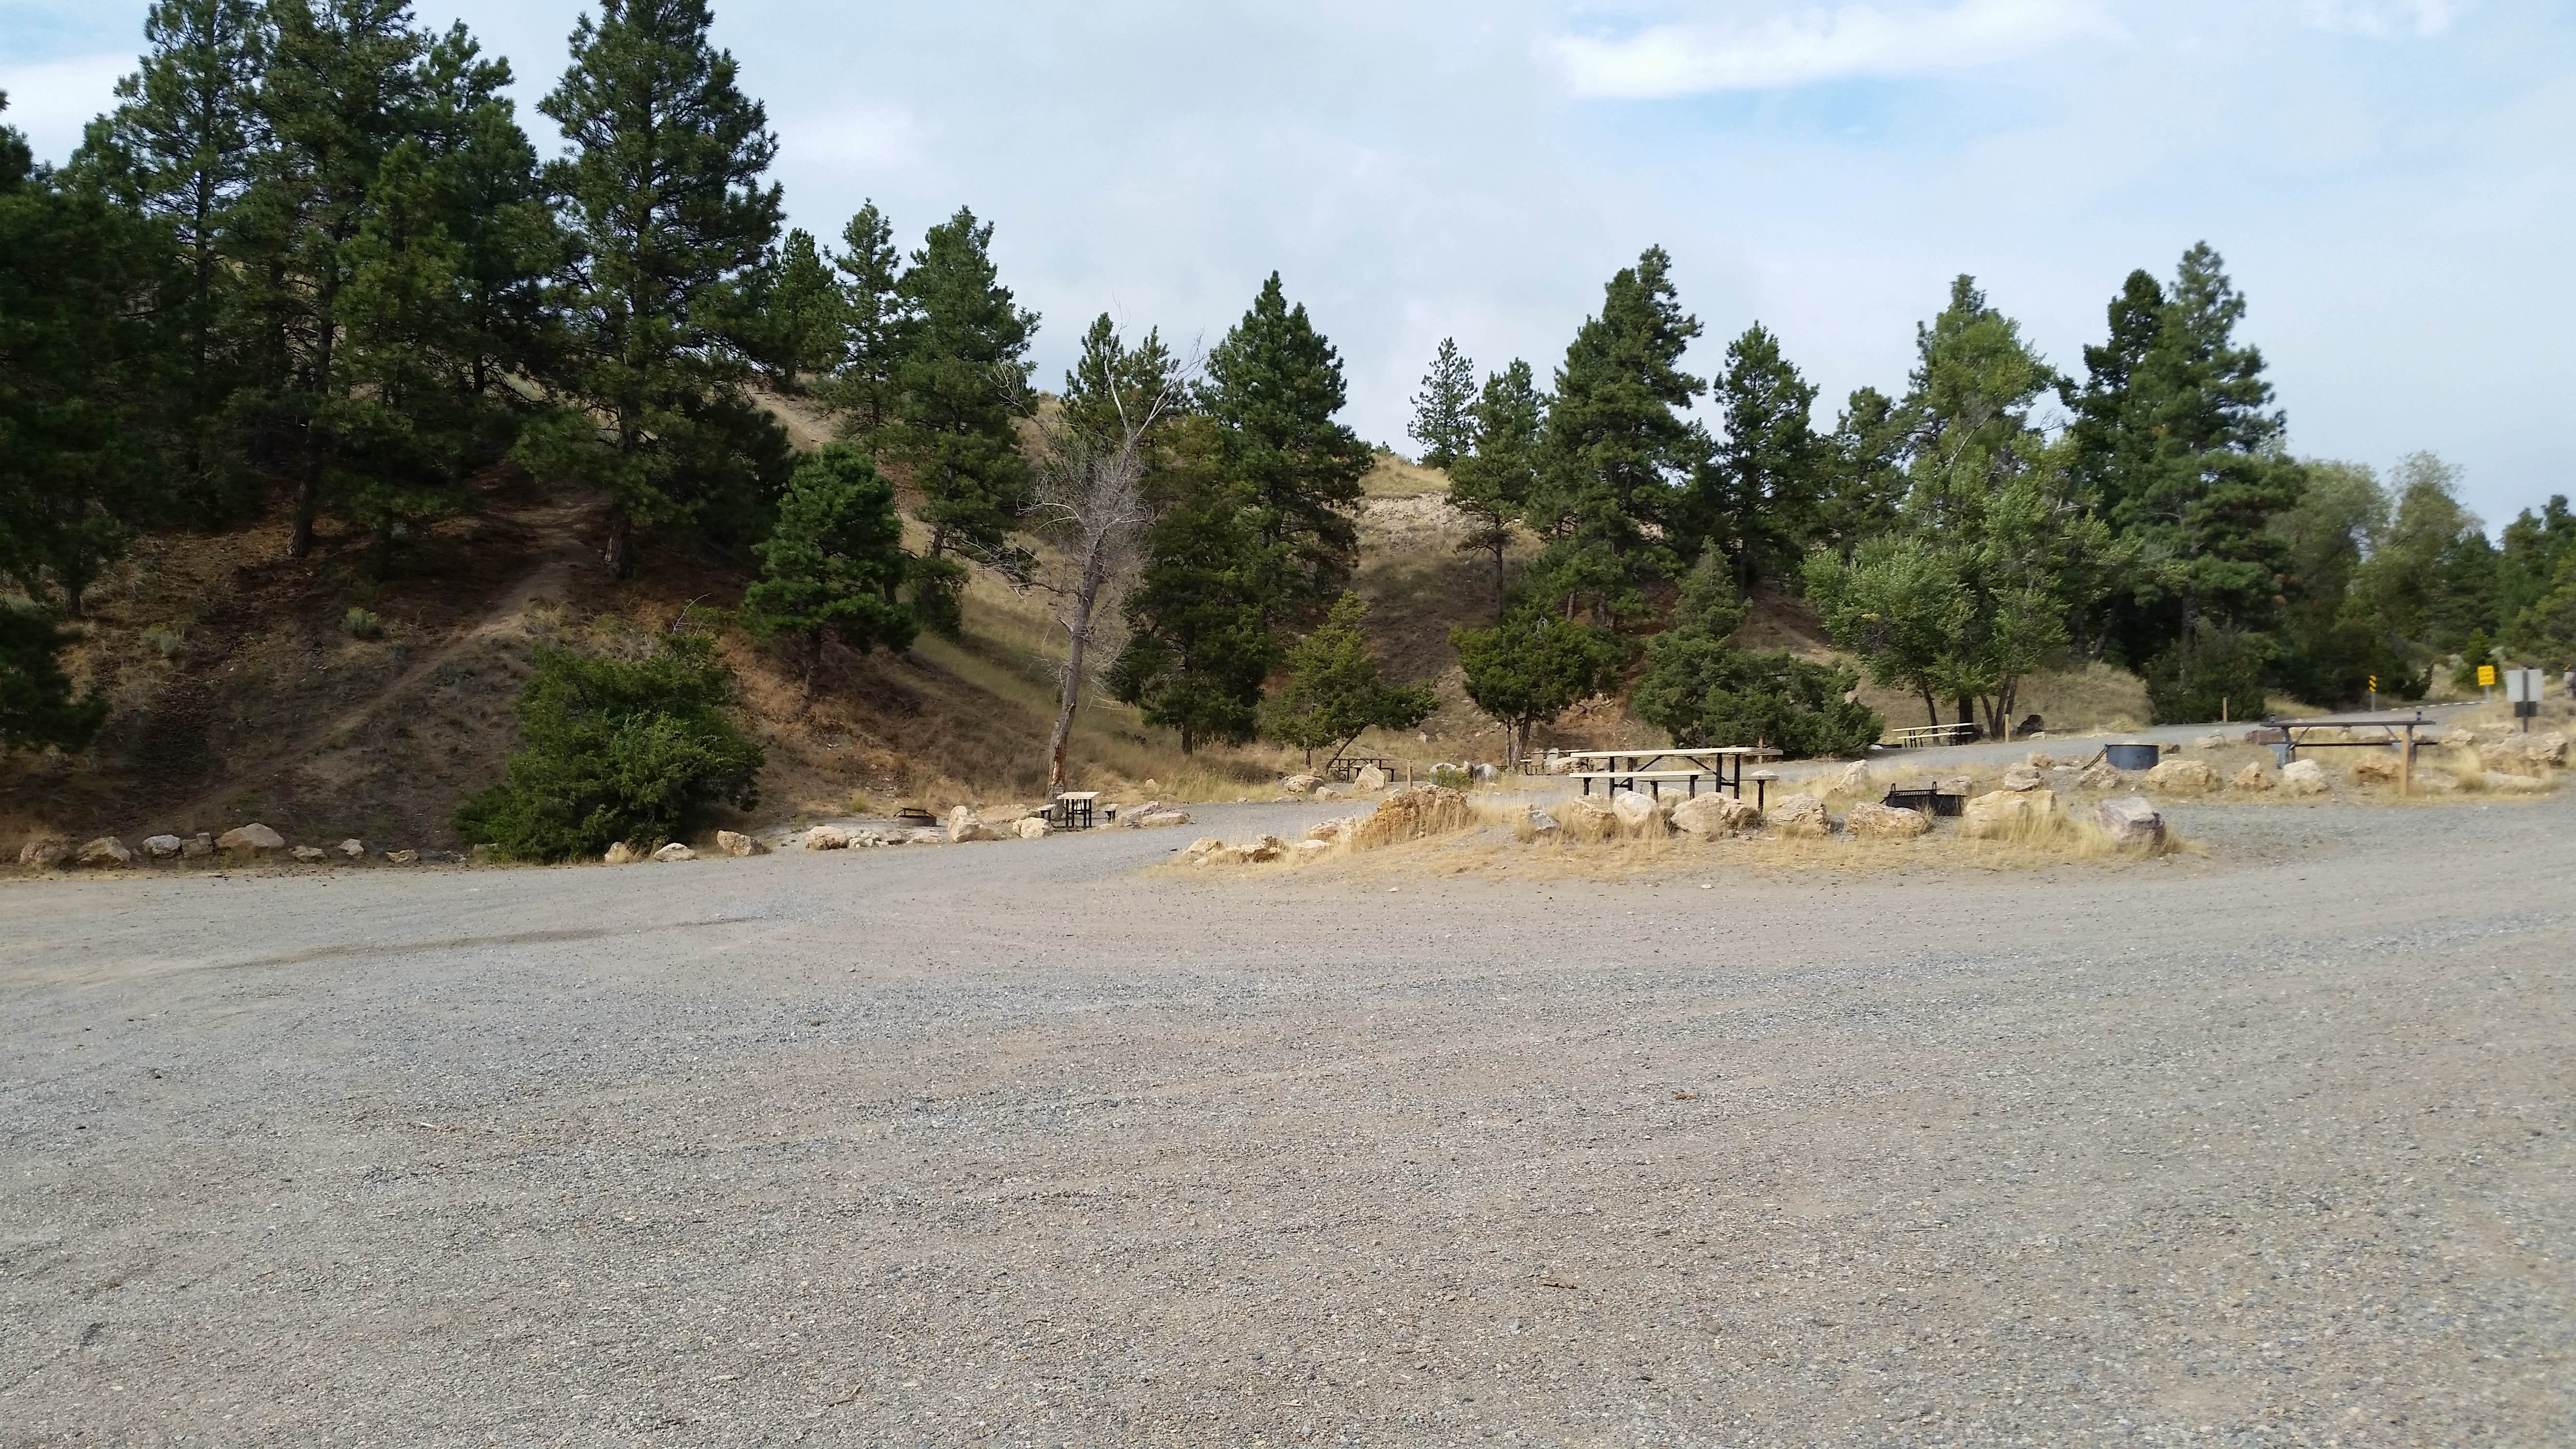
2390 180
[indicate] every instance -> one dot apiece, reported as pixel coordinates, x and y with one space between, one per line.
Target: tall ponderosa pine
832 570
181 146
1492 482
663 190
1274 387
1616 451
1864 471
961 385
1757 501
2177 449
1198 646
1444 411
873 323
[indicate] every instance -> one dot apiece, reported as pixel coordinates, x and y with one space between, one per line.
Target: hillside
240 692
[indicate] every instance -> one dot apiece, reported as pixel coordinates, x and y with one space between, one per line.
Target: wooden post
2406 764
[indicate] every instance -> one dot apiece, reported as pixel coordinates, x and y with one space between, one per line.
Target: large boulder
45 852
107 850
1852 781
2005 814
1799 814
1265 849
674 852
2375 768
1712 816
250 840
1369 780
2024 777
1331 830
2304 777
1886 822
1411 814
2131 822
1033 827
199 846
1639 816
1159 819
1201 846
163 847
965 825
2182 777
621 854
2253 779
1302 784
827 837
1587 819
735 843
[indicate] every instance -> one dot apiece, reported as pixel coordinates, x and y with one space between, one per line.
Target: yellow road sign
2486 675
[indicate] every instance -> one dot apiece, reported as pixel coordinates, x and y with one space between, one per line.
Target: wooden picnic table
2397 731
1918 736
1721 765
1072 809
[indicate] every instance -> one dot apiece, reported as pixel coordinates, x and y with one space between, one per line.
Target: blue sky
2391 180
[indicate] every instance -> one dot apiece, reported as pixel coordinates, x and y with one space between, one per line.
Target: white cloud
2381 19
860 138
51 101
1819 45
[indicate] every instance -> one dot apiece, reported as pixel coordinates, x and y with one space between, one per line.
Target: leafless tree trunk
1091 501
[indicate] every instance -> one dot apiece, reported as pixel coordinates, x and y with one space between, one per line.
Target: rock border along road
1011 1144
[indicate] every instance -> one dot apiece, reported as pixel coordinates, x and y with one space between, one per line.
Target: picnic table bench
1919 736
1722 766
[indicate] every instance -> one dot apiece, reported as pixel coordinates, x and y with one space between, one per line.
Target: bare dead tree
1092 503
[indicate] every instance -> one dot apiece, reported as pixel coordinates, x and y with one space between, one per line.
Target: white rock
1800 814
1032 828
1638 815
621 854
1202 846
2253 778
2131 822
1886 822
827 837
1587 818
1369 779
674 851
163 847
250 839
2304 777
1853 781
1302 784
2006 813
2211 742
1712 816
352 848
1161 819
2182 777
965 825
1534 824
735 843
2023 777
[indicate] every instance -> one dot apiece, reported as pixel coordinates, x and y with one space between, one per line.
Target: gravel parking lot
1012 1144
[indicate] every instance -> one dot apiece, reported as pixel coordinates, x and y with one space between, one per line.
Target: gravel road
1013 1144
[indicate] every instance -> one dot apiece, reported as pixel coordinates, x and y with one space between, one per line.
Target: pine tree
1534 666
1274 387
834 566
2176 448
81 366
804 323
37 707
1444 411
342 90
662 188
182 145
1702 690
874 320
1758 499
1616 451
1198 647
1492 482
962 384
1864 471
1335 691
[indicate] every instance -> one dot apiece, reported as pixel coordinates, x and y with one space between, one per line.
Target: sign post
2522 690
